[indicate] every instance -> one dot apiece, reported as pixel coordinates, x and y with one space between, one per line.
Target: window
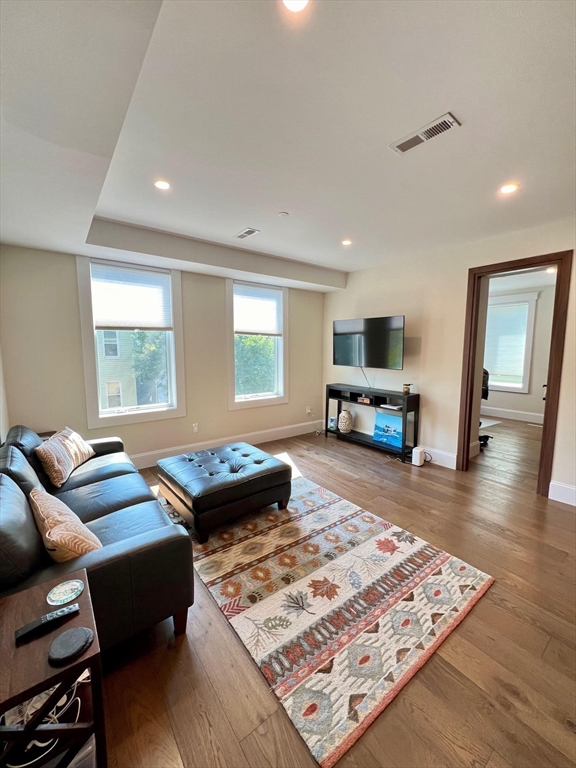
132 342
508 348
258 348
114 394
110 343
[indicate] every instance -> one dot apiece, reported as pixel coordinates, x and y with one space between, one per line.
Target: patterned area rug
338 608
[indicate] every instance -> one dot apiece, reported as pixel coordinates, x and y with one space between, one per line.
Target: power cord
311 415
427 457
366 377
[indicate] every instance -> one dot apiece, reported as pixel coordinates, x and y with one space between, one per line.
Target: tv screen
370 342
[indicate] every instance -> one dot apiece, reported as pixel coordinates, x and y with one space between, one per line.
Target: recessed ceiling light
162 185
295 5
551 270
508 189
346 242
283 213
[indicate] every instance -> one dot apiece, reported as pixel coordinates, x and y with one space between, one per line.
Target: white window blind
126 298
257 310
506 337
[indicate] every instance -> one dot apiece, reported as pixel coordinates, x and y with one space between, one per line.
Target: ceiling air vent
248 232
426 133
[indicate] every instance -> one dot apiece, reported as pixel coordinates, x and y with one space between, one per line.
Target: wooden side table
25 672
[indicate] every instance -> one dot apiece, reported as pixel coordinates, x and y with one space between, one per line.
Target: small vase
345 422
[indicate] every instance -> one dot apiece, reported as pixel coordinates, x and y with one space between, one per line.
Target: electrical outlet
194 427
308 410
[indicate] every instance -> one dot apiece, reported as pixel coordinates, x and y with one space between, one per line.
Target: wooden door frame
563 261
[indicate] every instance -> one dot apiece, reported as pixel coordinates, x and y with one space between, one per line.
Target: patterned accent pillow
62 453
64 535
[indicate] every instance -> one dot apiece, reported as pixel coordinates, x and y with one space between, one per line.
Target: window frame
104 342
281 361
518 298
95 419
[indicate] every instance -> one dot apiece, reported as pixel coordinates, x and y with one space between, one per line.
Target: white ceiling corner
69 68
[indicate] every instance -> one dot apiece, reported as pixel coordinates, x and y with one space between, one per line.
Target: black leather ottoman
220 485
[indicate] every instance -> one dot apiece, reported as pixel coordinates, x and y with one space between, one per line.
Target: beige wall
40 339
531 401
430 289
4 420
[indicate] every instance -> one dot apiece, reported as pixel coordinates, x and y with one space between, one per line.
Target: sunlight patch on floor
287 460
485 423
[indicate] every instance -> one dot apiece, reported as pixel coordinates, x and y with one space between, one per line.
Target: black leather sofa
143 573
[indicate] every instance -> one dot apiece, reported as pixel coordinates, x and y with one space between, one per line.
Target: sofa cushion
100 468
14 464
97 499
129 522
62 453
27 441
64 535
21 550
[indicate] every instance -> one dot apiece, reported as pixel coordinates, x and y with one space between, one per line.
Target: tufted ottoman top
209 479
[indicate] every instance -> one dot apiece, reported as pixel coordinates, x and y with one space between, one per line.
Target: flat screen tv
370 342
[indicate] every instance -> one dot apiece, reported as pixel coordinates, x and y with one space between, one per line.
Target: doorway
513 349
477 307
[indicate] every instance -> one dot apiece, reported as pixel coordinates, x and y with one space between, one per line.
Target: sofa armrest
135 583
103 445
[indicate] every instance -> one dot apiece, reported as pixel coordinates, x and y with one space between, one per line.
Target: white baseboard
474 449
442 458
507 413
562 492
149 458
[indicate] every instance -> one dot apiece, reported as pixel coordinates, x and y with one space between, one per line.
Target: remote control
45 623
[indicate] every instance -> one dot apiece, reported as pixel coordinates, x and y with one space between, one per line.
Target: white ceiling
523 280
69 68
249 110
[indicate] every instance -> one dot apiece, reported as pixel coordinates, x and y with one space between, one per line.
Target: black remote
45 623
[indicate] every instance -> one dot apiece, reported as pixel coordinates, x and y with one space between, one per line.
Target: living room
192 194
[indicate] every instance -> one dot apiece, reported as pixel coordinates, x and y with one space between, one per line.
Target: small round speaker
70 644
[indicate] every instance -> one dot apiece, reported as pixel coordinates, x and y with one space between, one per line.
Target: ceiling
525 279
248 110
68 71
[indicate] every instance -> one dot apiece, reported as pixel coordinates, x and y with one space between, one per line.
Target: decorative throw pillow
64 535
62 453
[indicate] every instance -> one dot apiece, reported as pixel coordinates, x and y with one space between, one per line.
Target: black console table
406 405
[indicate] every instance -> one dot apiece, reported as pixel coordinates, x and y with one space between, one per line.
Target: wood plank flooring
512 454
499 693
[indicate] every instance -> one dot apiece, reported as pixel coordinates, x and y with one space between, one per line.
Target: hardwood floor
499 693
512 454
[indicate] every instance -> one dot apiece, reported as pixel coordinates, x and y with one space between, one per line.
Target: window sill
135 417
520 390
257 402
